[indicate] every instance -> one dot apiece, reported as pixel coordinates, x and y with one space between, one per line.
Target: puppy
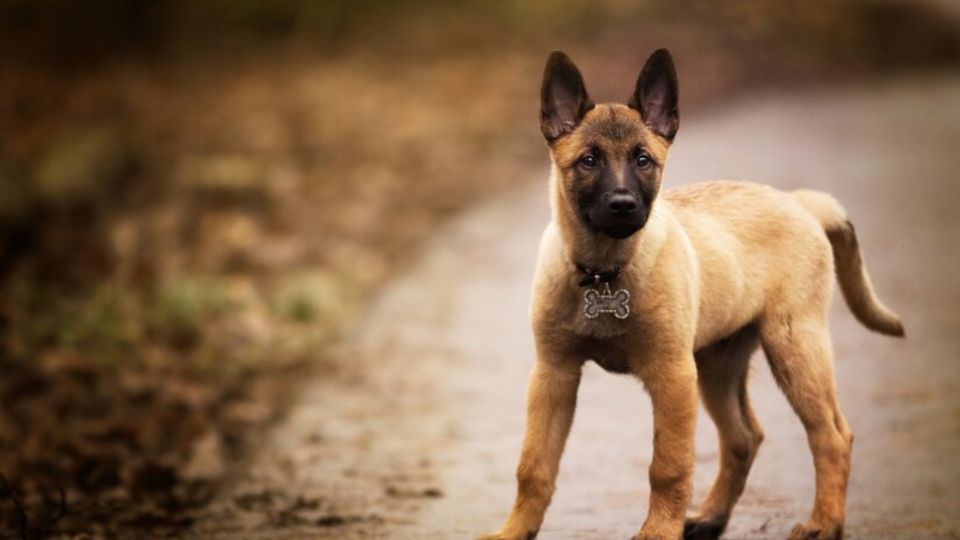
679 289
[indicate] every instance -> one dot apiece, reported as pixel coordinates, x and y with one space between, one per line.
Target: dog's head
610 157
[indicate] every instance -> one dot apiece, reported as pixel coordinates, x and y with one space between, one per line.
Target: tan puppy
711 271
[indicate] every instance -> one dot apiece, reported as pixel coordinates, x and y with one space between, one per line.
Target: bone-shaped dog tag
597 302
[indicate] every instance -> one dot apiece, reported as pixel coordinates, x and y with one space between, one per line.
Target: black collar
594 276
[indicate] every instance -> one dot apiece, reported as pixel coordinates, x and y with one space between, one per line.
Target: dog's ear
656 95
563 97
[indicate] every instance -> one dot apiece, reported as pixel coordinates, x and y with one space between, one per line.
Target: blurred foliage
76 33
105 323
182 307
81 167
311 297
197 196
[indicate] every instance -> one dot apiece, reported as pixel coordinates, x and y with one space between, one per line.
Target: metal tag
597 302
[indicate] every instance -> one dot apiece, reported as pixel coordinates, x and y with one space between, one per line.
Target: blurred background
199 198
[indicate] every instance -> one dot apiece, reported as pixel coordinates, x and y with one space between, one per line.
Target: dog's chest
603 327
606 336
611 363
610 353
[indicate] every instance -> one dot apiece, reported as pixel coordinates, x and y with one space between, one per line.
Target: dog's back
778 239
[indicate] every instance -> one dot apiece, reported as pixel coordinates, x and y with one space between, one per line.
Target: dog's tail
851 272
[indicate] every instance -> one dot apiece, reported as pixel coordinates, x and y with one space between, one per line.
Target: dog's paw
815 532
658 533
500 535
649 536
702 528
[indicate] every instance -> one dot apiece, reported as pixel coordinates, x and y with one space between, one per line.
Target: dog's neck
598 251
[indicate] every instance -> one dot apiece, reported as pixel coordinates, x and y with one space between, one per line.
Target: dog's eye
643 160
589 161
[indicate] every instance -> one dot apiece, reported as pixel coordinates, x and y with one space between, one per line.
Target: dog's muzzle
619 214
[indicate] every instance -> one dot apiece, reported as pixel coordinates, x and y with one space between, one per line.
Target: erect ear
656 95
563 98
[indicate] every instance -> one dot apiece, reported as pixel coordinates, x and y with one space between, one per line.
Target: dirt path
423 441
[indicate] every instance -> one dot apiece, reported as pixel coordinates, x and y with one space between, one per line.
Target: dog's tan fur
718 270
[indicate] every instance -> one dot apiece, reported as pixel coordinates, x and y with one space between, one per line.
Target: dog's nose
622 203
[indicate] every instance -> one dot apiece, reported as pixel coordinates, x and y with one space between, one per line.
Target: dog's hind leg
801 359
722 375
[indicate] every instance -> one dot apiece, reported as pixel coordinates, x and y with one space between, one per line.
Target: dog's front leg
551 400
671 381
